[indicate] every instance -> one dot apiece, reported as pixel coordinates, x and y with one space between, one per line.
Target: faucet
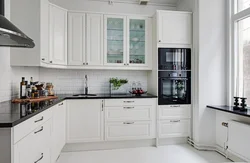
86 84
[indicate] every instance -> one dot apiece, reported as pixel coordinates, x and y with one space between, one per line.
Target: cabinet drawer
35 146
29 125
128 113
174 128
129 102
174 111
128 130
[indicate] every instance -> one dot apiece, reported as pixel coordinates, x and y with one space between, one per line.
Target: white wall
72 81
97 6
185 5
11 76
210 51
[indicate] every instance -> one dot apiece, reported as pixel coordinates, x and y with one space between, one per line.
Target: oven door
174 91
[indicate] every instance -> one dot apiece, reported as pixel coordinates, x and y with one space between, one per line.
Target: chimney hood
11 36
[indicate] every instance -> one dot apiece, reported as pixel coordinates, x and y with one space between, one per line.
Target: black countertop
11 114
230 109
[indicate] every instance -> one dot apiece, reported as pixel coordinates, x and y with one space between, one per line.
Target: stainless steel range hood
11 36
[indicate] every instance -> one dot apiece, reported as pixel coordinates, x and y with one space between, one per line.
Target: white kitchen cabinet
76 39
94 56
85 39
58 35
174 121
129 119
129 130
174 128
127 41
139 49
47 26
115 40
174 111
58 130
85 121
35 147
174 27
34 23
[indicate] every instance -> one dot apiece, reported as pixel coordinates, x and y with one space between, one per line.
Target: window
240 36
242 5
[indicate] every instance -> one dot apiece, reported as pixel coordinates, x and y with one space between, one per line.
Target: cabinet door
35 147
174 128
114 40
94 39
139 33
175 27
85 121
76 39
58 35
58 130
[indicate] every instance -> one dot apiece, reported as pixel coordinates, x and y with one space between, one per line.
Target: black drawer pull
39 158
128 123
39 130
175 121
175 106
39 120
60 104
128 101
128 107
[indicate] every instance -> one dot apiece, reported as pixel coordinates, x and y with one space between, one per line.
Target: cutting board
18 100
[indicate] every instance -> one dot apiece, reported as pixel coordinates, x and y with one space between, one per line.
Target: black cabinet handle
128 107
50 61
39 130
39 158
39 120
60 104
43 59
128 123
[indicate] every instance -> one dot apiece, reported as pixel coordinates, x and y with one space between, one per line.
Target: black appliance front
174 59
174 87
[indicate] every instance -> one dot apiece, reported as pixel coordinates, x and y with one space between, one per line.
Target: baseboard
73 147
218 149
171 141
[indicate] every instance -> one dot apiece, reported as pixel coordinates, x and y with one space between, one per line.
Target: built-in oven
174 87
174 59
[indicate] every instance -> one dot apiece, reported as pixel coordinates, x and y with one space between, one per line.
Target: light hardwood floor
164 154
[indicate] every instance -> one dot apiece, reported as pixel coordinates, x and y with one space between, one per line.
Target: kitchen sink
85 95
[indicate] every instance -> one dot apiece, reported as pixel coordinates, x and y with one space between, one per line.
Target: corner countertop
229 109
11 114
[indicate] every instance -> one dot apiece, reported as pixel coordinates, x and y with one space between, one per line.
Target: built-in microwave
174 87
174 59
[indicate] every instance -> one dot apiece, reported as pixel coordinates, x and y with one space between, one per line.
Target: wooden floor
164 154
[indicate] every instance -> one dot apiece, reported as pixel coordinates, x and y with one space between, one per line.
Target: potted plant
115 85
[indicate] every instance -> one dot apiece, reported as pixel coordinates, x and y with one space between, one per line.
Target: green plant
179 85
117 83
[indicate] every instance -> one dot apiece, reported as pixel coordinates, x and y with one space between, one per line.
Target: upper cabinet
85 39
127 40
58 35
174 27
46 24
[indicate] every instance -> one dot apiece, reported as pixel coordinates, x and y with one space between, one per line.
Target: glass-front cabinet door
137 42
114 40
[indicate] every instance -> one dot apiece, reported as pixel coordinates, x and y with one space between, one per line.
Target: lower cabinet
85 121
35 147
129 130
174 121
58 130
174 128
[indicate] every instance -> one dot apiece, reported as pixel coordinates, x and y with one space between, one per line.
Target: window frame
233 48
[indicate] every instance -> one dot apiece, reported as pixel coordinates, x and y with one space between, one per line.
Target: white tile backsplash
72 81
